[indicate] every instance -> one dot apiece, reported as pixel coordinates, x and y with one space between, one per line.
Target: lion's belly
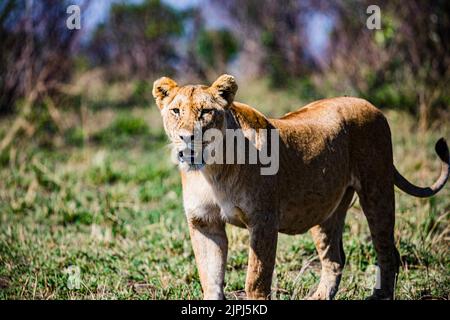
298 215
311 195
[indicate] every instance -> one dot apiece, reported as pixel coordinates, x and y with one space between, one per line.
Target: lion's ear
161 90
226 87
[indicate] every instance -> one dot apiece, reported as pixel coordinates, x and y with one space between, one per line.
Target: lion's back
349 109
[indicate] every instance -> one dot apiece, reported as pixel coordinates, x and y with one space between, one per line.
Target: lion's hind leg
328 240
378 204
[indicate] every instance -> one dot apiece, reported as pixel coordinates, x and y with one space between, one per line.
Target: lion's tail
441 148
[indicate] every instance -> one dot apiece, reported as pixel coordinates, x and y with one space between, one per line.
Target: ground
98 194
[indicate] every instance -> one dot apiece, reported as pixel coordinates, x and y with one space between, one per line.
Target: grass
103 197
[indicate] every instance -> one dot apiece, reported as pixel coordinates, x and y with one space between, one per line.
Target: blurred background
314 48
85 178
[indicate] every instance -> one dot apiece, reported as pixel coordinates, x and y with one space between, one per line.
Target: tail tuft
441 148
442 151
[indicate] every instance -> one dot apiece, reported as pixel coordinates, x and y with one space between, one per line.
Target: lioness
328 150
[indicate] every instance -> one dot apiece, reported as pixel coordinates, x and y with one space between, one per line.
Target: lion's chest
229 211
203 201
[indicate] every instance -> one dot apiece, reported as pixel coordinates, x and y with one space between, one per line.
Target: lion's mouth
196 167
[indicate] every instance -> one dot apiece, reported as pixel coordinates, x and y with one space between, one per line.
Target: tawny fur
329 149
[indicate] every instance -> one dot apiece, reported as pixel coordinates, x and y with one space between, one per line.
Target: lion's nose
187 139
180 156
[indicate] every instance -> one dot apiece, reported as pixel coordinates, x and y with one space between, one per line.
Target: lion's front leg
261 259
210 244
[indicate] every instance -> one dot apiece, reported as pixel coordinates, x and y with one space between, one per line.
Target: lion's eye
175 111
206 111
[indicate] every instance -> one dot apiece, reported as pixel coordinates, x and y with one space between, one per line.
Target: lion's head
189 111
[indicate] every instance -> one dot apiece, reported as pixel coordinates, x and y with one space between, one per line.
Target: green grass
103 196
